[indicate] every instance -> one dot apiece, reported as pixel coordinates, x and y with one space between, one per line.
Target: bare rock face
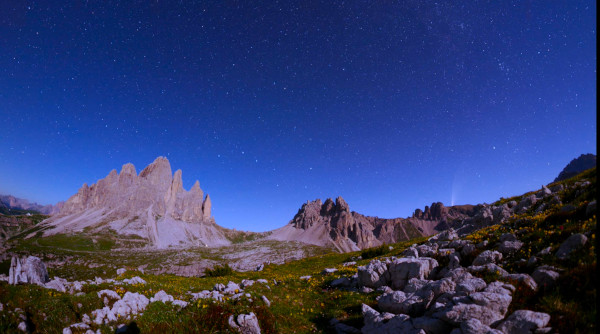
245 323
27 270
332 223
152 205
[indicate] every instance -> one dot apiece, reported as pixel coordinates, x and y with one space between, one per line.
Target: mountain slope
152 206
333 224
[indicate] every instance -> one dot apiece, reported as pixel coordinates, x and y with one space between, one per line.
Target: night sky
391 104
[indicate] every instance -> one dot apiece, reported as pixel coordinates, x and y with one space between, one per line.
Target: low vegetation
304 305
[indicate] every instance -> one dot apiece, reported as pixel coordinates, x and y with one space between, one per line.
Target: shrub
219 271
373 252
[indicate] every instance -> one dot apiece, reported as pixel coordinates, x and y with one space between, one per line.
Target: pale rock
410 252
487 306
510 247
373 275
162 296
121 271
486 257
474 326
349 264
65 330
414 284
109 294
365 289
544 192
232 288
427 250
179 303
245 323
29 270
402 270
58 284
266 301
471 285
246 283
219 287
524 322
375 323
305 278
23 326
328 271
134 280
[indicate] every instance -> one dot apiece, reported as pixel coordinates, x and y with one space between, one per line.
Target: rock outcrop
576 166
152 205
332 223
27 270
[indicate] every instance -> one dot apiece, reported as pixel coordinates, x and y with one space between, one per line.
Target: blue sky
391 105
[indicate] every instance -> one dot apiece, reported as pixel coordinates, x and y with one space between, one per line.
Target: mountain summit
576 166
152 206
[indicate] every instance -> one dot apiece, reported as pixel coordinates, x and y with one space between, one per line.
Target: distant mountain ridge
333 224
576 166
9 202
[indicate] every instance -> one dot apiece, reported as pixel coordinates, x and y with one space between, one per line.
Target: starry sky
391 104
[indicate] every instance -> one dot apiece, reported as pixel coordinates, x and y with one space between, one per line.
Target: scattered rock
260 267
591 208
245 323
573 243
510 247
402 270
246 283
134 280
545 278
524 321
121 271
266 301
486 257
328 271
373 275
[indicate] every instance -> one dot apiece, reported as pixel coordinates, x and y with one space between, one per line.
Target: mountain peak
153 205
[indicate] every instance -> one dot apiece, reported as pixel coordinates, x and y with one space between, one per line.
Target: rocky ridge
153 206
332 223
576 166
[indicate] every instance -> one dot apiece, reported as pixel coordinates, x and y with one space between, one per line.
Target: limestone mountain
576 166
333 224
152 206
